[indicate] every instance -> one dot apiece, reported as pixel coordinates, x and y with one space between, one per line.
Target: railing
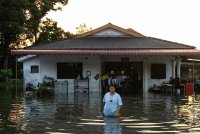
81 84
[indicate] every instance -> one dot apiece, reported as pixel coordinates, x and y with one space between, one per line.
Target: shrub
44 92
6 74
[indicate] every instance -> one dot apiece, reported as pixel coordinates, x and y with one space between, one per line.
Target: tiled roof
123 42
110 43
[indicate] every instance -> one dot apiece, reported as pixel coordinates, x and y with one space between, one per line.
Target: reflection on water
112 125
79 113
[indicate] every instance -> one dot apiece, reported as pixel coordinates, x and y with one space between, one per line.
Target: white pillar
145 79
100 73
178 68
173 68
16 77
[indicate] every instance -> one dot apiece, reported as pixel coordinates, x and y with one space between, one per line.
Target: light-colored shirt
112 102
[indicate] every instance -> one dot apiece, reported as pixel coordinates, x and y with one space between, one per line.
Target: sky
173 20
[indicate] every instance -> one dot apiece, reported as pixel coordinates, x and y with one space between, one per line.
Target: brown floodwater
78 113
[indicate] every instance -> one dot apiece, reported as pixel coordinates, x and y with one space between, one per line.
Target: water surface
79 113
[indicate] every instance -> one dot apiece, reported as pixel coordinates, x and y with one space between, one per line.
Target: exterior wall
92 64
28 76
147 74
48 67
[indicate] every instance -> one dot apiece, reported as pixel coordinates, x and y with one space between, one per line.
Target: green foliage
82 28
38 9
20 21
49 31
6 73
12 20
44 92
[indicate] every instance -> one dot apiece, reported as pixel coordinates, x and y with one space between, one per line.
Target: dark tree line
22 22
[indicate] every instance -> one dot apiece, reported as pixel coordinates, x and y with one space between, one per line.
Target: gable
110 30
110 33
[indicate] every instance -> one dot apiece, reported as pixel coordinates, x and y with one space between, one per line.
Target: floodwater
79 114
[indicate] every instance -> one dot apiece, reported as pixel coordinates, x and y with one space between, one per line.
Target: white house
146 60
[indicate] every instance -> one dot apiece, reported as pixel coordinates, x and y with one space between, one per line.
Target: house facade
146 60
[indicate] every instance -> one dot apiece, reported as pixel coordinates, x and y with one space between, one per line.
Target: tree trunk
6 55
6 52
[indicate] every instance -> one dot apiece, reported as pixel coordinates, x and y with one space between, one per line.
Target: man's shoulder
116 94
106 94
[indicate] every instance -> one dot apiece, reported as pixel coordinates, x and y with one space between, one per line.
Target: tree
49 31
82 28
20 20
5 74
12 21
37 10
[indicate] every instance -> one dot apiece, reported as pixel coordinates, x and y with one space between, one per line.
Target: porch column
145 79
16 77
100 73
178 68
173 68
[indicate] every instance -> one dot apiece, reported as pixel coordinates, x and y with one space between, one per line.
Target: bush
6 73
44 92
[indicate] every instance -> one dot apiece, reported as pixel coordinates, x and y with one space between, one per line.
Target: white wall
147 65
48 67
92 64
28 76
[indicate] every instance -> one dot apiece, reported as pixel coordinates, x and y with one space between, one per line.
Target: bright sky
173 20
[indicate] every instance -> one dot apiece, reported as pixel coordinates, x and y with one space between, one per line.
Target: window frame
34 69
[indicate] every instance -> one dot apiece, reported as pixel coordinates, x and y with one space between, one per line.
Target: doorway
134 71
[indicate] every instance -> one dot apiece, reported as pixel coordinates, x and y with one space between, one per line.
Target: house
146 60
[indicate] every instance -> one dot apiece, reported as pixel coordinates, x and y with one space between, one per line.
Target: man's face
112 89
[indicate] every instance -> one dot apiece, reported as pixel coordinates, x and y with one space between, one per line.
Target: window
69 70
35 69
158 71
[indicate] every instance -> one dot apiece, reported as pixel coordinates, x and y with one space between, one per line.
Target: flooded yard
79 114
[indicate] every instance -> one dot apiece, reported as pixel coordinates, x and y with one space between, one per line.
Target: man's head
112 88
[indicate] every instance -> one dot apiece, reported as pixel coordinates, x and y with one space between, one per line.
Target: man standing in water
113 103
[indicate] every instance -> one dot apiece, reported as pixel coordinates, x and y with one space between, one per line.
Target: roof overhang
21 59
135 52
